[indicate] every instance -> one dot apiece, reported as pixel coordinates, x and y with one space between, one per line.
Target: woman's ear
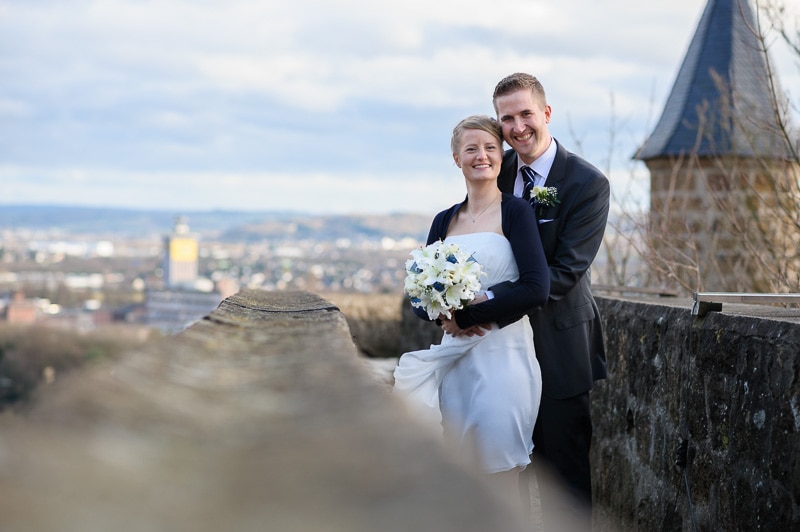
455 158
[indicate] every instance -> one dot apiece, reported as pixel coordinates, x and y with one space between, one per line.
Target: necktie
528 178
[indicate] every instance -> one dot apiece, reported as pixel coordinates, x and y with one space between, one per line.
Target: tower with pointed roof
723 185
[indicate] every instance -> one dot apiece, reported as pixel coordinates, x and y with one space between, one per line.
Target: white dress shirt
541 166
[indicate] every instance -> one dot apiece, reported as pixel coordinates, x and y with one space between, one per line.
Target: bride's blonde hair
483 122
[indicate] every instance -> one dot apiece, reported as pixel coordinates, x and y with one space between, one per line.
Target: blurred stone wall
374 321
416 333
259 417
382 325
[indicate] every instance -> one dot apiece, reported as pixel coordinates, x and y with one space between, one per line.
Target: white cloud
211 96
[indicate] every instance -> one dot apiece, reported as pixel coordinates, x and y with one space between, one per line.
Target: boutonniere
544 197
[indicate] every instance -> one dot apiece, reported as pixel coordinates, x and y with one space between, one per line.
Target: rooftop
725 63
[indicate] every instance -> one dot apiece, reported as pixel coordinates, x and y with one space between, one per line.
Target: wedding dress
485 389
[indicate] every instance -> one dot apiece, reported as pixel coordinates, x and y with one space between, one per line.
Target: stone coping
258 417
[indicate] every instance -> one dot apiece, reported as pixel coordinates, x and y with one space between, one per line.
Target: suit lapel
559 168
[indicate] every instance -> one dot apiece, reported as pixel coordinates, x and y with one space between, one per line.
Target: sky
315 106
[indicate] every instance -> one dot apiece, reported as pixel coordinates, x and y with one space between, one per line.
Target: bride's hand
450 326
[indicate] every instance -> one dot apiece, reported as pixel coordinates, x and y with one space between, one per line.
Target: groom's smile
524 122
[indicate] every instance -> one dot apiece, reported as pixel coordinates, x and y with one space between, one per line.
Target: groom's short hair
518 81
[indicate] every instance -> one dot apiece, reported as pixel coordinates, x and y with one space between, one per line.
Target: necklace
473 218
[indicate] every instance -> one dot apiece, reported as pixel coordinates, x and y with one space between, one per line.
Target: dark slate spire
723 46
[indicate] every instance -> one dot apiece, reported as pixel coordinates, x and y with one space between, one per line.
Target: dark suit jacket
567 331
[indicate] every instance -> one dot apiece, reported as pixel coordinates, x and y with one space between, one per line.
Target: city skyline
321 108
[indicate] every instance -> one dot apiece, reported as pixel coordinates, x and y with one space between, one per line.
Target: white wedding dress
486 390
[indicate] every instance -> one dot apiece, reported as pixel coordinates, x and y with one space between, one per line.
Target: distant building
180 303
21 310
171 311
180 257
79 319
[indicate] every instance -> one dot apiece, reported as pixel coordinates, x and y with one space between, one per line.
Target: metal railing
705 302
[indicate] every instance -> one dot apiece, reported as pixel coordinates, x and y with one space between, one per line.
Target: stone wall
259 417
728 384
414 332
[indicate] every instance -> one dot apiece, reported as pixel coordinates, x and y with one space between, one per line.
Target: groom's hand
480 298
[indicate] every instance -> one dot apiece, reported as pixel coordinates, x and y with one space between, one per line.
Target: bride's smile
479 155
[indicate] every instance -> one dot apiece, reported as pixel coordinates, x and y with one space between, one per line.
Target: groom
567 330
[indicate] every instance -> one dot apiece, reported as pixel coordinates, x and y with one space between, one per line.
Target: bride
483 380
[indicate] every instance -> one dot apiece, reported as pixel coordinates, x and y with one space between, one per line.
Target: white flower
545 196
441 278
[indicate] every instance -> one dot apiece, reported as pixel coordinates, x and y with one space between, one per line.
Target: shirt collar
543 164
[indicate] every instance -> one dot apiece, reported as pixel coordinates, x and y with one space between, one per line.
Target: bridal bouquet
441 278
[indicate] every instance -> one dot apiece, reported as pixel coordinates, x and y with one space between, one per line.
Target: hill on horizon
223 225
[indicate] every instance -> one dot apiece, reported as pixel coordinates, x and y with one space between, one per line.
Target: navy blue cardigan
531 291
